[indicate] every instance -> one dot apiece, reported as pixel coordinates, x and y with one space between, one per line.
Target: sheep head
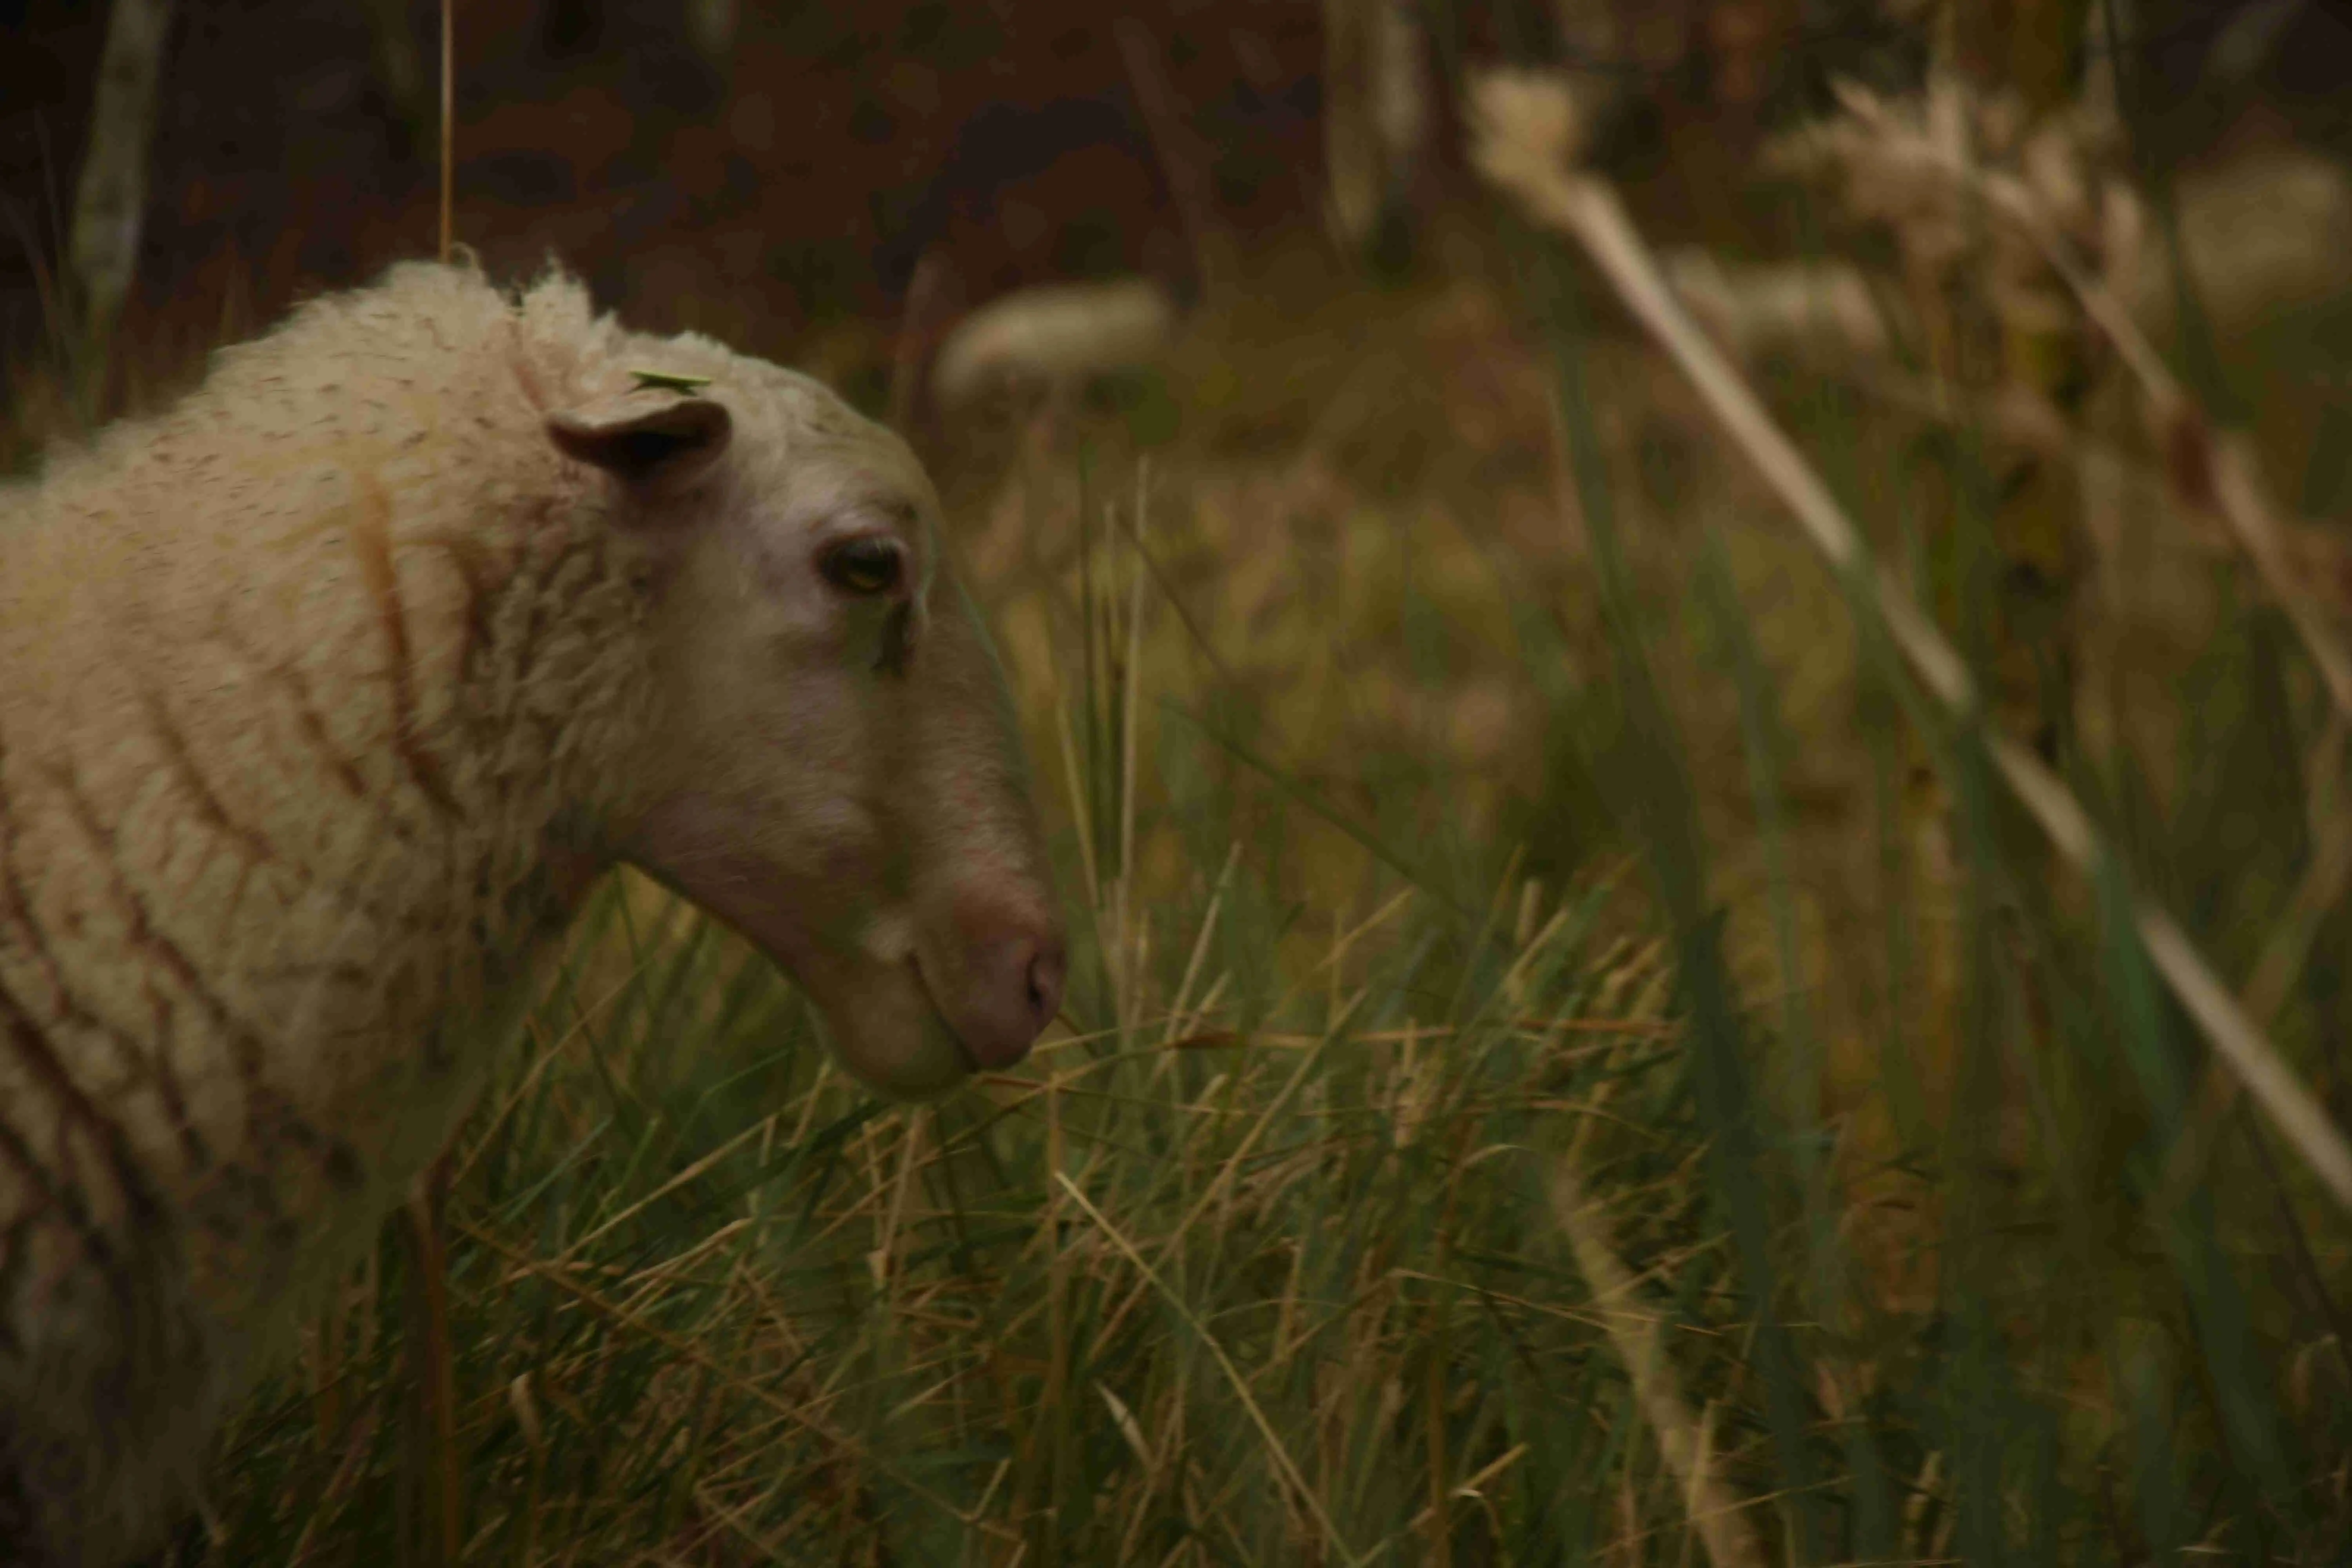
832 766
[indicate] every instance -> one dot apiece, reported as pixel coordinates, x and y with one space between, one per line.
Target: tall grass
1384 1202
1281 1294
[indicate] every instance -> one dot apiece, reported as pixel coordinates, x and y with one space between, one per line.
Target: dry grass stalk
1182 1015
1710 1505
1527 131
805 1415
1292 1477
338 1485
1132 967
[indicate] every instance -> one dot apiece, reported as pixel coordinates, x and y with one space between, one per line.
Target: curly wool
300 683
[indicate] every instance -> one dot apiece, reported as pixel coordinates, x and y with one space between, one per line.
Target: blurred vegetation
1569 1058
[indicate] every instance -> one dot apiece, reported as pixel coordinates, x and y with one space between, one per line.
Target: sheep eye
862 565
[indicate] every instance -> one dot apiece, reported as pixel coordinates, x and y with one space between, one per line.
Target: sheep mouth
965 1060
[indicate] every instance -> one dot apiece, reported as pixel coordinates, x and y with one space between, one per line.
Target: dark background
799 179
805 174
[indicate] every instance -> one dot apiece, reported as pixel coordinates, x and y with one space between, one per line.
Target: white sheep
323 698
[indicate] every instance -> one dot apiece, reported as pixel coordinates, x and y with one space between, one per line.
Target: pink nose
1013 966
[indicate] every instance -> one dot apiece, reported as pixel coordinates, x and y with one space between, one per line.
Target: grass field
1570 1057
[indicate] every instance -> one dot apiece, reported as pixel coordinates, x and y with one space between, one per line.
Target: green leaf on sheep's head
666 381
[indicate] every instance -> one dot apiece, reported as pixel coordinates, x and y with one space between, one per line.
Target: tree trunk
1376 114
710 25
399 63
112 201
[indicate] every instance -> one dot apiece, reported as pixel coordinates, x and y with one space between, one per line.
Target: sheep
1055 335
324 696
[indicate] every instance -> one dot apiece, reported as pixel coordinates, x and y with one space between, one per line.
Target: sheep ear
644 436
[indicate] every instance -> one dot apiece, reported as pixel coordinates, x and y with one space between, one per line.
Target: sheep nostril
1045 974
1000 974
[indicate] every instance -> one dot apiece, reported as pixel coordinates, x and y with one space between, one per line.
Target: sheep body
308 690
